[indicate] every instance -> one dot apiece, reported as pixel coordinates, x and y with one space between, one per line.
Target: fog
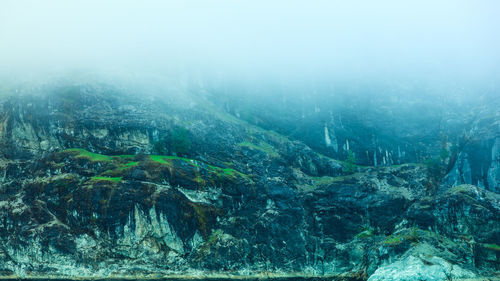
423 43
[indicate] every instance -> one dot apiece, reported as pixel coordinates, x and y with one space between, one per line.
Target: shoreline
212 277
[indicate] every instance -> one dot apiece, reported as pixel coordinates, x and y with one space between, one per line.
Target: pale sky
296 38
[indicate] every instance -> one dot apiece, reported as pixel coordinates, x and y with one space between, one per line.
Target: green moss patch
94 157
230 173
111 179
164 159
217 171
117 166
493 247
132 164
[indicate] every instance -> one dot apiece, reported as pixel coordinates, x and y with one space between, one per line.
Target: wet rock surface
85 190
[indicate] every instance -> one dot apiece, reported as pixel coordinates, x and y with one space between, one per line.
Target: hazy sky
297 38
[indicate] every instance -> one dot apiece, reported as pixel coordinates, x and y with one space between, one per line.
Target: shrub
160 147
433 164
349 163
177 142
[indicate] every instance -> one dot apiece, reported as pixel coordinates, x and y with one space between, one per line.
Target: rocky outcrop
85 192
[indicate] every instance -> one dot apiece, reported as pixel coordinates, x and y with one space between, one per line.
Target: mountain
102 181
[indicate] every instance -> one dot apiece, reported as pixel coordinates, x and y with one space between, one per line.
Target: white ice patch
328 141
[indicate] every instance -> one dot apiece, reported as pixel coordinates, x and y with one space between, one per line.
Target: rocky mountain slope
100 182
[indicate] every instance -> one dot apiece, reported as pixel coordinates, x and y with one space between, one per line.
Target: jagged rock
83 193
420 268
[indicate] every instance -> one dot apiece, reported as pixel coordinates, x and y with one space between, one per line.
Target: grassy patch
220 172
131 164
493 247
262 146
120 163
94 157
111 179
229 173
163 159
394 240
120 169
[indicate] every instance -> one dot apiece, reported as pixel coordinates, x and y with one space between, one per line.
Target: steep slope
95 182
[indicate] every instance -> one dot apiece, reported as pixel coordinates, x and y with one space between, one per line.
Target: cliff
100 182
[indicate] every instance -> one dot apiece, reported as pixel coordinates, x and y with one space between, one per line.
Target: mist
256 43
243 140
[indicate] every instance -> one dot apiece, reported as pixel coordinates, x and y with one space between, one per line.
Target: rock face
85 191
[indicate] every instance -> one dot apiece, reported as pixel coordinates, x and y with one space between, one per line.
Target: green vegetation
94 157
120 169
394 240
131 164
111 179
228 172
325 180
160 147
214 236
434 166
120 163
251 129
160 159
164 159
202 217
444 154
459 189
178 141
493 247
350 163
64 183
463 190
437 165
367 232
411 235
218 171
262 146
